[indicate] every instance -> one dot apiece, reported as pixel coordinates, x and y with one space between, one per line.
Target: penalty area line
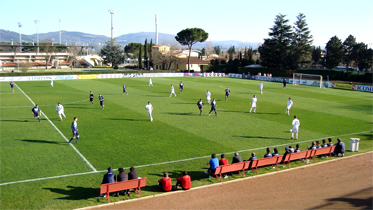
63 136
168 162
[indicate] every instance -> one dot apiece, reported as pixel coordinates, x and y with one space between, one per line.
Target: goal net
308 79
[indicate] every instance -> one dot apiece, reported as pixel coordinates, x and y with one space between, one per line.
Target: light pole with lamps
112 26
37 35
59 27
20 37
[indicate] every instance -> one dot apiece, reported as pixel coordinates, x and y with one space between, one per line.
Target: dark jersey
124 88
181 85
35 110
213 105
101 98
11 84
227 91
91 96
200 103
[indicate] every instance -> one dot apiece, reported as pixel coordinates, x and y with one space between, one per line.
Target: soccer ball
291 130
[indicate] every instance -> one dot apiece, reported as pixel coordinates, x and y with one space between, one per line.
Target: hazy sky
243 20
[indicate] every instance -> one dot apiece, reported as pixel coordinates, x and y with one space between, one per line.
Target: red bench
322 151
120 186
265 162
230 168
296 156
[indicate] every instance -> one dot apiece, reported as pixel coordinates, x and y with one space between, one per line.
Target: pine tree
348 46
334 52
146 53
301 44
150 52
140 57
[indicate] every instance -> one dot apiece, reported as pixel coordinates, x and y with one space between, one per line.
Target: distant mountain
81 38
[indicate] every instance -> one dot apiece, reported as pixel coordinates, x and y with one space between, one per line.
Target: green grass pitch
121 135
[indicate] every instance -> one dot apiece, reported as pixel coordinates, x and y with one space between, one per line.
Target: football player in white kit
172 91
261 87
150 82
52 82
253 103
288 106
149 108
208 96
296 124
60 110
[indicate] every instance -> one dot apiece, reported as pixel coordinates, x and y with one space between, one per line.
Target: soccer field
121 135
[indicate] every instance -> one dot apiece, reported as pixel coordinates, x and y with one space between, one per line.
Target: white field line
174 161
46 117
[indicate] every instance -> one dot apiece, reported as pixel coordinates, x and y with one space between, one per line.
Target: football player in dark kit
12 86
91 97
101 98
200 104
74 129
213 107
36 112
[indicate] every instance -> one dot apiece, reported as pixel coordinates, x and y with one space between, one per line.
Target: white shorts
209 99
289 107
253 105
61 112
295 129
149 112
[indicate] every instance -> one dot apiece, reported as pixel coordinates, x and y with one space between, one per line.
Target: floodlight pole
59 27
20 36
112 26
37 35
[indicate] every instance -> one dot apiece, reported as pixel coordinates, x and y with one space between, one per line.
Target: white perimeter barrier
100 76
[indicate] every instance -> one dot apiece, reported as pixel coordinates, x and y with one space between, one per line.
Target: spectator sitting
330 142
165 183
275 152
184 181
324 143
318 146
291 149
339 148
214 163
268 154
252 158
109 177
237 158
223 161
132 175
313 146
121 177
297 148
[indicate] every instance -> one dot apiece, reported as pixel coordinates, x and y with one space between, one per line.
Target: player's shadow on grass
75 193
16 120
177 113
39 141
258 137
128 119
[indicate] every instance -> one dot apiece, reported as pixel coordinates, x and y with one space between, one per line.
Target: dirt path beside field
346 183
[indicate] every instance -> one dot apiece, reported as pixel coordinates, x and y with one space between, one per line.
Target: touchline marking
174 161
46 117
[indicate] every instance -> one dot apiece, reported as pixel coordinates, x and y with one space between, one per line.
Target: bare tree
74 52
166 58
209 49
49 50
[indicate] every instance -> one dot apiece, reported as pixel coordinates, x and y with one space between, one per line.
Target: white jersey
290 103
149 107
253 102
296 124
59 108
261 86
172 89
150 81
208 94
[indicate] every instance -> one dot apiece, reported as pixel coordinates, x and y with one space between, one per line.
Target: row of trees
349 53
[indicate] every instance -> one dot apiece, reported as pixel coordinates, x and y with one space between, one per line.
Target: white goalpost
308 79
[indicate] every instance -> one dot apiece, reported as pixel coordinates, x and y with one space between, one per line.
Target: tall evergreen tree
316 55
140 58
274 51
334 52
150 52
146 53
301 44
348 46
